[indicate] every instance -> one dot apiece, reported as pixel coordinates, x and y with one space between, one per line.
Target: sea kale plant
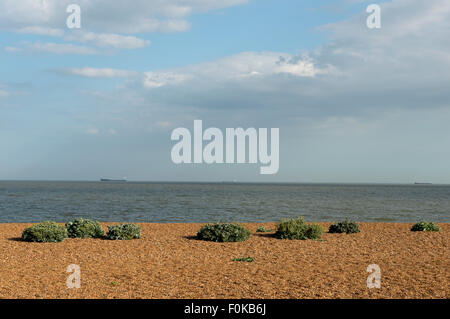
223 232
45 232
298 229
84 228
262 229
425 226
348 227
245 259
123 232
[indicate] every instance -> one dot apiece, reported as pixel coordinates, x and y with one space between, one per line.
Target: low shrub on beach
47 231
298 229
84 228
425 226
245 259
123 232
262 229
348 227
223 232
314 231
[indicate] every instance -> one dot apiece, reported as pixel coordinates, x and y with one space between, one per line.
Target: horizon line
223 182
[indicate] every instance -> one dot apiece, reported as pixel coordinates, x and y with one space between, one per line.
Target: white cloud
300 66
14 14
99 72
103 16
103 23
38 30
105 40
159 79
238 67
147 25
114 41
61 48
12 49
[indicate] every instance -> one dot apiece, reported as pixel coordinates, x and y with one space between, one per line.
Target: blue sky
353 104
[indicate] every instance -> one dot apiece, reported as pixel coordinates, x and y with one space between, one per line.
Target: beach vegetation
297 228
262 229
123 232
45 232
84 228
347 226
245 259
223 232
425 226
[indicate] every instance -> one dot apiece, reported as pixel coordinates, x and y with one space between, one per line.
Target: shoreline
262 223
169 262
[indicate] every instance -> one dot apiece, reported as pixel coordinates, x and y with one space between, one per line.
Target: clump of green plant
314 231
348 227
245 259
223 232
84 228
425 226
45 232
123 232
262 229
298 229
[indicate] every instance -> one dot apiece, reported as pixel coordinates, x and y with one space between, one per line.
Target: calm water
203 202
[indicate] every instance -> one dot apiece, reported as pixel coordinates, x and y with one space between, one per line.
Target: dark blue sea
22 201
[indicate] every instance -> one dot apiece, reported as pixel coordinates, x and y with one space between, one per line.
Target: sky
352 104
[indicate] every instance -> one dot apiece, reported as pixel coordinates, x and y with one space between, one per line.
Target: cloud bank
108 24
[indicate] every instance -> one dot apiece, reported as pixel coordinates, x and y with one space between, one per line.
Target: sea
158 202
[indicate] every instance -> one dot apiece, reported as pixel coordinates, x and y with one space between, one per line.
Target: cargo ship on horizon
113 180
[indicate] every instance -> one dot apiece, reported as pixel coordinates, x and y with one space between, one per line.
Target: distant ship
113 180
417 183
